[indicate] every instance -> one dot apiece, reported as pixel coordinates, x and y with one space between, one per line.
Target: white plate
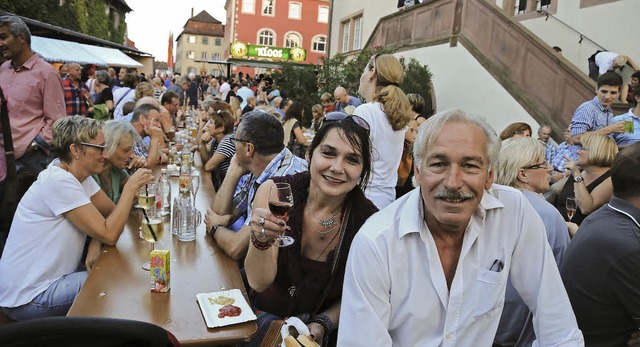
210 310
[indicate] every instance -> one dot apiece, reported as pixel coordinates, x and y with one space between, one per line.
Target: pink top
35 98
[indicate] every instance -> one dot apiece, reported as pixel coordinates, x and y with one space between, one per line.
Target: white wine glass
146 196
571 207
151 229
195 184
280 203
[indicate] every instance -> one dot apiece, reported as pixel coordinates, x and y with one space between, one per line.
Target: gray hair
17 27
73 130
429 131
515 154
184 79
103 77
264 131
143 110
116 131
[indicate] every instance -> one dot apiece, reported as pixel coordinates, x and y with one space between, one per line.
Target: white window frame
203 55
265 5
248 6
316 40
286 37
191 55
323 14
293 4
346 35
259 35
191 39
357 33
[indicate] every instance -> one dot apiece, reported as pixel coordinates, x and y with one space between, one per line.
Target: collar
411 222
625 208
27 64
273 165
596 101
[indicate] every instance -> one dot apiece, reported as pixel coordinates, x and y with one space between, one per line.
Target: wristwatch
213 229
578 179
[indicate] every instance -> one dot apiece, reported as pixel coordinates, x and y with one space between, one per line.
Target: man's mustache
449 194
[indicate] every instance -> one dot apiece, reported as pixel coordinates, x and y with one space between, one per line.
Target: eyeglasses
373 60
234 139
338 116
542 165
98 147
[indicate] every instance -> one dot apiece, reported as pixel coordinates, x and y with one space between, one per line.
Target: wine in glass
280 202
152 229
146 196
571 207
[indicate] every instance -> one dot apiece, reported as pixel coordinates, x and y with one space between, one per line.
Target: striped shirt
283 164
590 116
564 149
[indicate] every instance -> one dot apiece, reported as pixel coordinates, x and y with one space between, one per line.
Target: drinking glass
280 202
151 230
195 184
571 207
146 196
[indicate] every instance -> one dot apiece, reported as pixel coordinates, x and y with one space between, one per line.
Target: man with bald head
343 99
76 92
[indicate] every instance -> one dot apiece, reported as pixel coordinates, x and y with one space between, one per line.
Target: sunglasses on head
338 116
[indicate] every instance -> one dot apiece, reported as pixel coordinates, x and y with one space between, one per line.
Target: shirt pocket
490 293
22 90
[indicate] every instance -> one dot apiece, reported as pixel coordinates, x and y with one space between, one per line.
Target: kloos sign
242 50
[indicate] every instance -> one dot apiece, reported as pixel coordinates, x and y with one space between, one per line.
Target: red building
276 23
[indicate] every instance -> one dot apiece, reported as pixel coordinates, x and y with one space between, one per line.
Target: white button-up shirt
395 291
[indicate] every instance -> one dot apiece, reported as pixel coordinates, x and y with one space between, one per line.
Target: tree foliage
84 16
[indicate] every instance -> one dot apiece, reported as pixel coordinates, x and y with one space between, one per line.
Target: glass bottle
164 188
185 176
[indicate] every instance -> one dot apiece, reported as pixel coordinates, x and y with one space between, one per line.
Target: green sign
241 50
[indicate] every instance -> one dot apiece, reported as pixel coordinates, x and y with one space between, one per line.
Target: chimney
192 12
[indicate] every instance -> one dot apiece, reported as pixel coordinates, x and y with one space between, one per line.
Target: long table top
118 287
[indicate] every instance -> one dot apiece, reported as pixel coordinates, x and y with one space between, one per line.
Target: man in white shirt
431 269
225 87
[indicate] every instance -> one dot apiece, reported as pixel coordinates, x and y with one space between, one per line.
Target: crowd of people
408 230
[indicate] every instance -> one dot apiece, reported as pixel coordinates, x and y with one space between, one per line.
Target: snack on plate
221 300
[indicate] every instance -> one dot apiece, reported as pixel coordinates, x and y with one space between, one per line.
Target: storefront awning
60 51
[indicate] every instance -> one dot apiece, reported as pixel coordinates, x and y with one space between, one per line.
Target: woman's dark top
300 282
104 96
567 191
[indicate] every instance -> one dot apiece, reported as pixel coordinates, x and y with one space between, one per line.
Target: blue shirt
590 116
626 139
283 164
564 149
549 151
352 101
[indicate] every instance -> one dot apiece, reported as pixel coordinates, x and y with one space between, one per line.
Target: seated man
146 121
260 155
600 266
431 269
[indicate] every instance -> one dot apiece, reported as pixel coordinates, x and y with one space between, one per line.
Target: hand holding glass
146 196
280 202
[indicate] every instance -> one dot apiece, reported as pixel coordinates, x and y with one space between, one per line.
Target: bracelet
259 244
324 321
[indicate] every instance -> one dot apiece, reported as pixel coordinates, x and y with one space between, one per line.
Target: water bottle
164 188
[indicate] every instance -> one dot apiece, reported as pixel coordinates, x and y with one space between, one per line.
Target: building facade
201 40
277 24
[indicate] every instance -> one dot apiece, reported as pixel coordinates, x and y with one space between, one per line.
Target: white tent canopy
59 51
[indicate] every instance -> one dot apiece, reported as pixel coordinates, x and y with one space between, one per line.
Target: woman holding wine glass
328 207
53 220
592 186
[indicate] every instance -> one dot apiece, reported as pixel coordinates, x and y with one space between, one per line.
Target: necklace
329 224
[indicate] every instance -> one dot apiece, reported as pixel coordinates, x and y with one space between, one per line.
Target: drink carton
160 270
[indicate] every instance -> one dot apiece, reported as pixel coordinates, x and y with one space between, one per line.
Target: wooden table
118 287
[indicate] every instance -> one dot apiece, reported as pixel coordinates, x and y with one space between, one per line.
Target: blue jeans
55 301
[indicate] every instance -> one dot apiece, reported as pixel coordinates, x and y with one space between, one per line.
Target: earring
77 157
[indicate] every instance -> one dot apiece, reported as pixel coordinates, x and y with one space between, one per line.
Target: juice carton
160 270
